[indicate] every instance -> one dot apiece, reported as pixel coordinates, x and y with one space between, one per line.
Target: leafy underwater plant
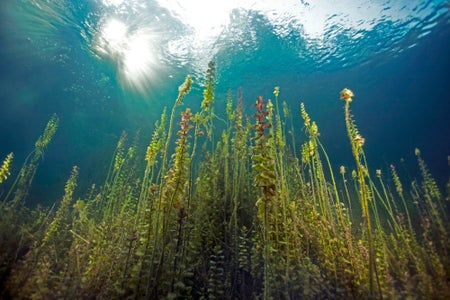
5 167
19 226
242 217
265 178
356 142
23 181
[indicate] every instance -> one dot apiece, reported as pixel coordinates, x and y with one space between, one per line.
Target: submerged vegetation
228 215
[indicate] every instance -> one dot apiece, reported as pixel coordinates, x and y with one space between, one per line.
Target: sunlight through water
140 37
132 51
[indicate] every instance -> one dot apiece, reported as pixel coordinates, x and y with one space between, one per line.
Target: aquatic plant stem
336 194
356 142
347 194
183 89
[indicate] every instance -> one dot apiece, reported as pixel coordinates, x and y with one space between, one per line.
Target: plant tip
347 95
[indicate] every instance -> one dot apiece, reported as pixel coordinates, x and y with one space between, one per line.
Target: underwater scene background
189 185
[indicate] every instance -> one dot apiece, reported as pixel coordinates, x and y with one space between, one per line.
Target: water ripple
187 34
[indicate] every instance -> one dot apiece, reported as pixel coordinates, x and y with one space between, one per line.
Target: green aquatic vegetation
203 119
171 200
5 167
20 187
175 190
231 213
312 156
183 90
356 142
263 166
43 140
20 227
399 190
208 92
142 227
42 273
342 171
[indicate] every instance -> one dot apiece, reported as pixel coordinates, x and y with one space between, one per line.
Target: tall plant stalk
356 142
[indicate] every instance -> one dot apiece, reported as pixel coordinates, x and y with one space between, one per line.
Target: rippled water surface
107 66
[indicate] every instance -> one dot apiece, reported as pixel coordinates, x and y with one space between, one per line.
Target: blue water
59 57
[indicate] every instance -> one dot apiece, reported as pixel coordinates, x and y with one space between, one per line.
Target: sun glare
112 2
131 50
136 35
139 60
113 36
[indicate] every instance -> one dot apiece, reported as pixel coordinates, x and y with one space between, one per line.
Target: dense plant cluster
227 215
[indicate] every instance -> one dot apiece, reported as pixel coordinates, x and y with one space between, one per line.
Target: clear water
107 66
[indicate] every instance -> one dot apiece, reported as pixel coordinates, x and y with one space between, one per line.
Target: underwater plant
265 178
5 167
211 212
19 189
357 142
20 226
